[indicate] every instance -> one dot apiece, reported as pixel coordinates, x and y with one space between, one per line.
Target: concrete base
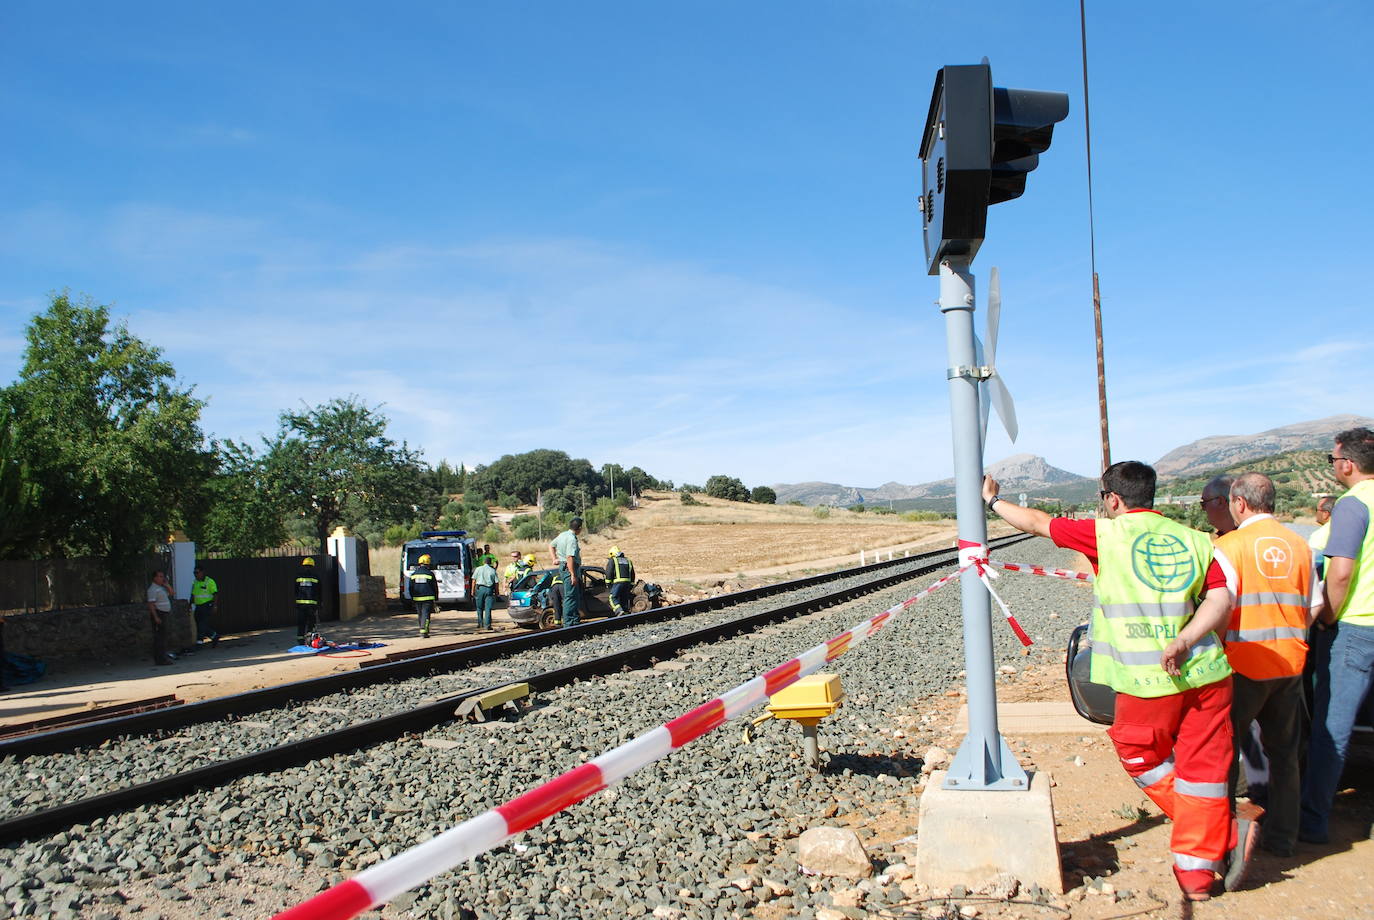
350 606
969 837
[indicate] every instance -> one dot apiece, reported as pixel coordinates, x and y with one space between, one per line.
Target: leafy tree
446 479
763 495
524 475
508 501
102 437
333 462
244 514
19 525
728 488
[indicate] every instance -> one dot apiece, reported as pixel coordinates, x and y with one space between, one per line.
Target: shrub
857 509
509 502
728 488
821 511
921 517
880 509
797 503
493 534
687 498
688 487
763 495
524 527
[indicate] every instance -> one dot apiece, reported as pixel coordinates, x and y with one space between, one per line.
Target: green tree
524 475
728 488
245 513
108 444
333 463
763 495
20 522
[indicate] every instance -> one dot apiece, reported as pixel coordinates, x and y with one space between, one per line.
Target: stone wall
372 589
114 634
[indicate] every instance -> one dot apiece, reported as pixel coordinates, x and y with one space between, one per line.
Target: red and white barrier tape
1040 570
386 880
976 555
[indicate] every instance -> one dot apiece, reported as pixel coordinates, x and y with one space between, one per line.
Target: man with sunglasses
1343 643
1156 645
1216 504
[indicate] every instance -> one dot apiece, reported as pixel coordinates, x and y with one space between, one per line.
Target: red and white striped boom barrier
384 881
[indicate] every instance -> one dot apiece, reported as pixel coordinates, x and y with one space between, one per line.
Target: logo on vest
1272 558
1163 562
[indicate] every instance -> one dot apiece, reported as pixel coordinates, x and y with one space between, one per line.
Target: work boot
1247 837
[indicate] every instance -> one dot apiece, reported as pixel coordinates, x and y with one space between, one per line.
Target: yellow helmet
529 559
308 560
424 559
615 551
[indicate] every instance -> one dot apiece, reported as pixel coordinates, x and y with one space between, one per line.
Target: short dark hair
575 523
155 573
1133 481
1257 489
1218 486
1357 445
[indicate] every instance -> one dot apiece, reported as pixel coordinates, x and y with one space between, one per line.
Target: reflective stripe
1266 635
1201 790
1150 611
1155 774
299 601
1184 861
1259 598
1100 647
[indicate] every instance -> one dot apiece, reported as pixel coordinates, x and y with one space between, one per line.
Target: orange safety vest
1267 635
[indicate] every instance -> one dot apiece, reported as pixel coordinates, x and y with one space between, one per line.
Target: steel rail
421 718
92 733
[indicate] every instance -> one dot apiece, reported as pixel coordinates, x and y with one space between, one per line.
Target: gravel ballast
708 831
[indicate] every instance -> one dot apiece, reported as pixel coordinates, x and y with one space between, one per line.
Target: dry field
672 542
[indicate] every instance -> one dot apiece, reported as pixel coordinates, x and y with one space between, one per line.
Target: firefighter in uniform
424 592
1173 706
620 575
1269 573
307 599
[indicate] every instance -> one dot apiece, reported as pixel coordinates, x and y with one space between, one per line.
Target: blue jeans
484 596
1344 657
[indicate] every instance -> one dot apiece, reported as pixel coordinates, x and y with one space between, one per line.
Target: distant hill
1224 451
1020 473
1297 473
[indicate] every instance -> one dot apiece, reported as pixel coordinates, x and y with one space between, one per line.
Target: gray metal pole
984 761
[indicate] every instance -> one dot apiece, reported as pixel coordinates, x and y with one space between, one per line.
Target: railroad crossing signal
980 143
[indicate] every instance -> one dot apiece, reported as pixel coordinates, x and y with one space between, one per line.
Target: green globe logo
1162 561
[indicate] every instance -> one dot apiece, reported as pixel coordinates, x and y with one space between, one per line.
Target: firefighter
620 575
307 599
424 592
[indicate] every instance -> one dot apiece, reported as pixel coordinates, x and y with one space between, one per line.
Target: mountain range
1035 476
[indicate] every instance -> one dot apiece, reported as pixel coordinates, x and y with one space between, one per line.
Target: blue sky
684 235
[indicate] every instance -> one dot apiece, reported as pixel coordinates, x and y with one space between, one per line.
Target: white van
451 554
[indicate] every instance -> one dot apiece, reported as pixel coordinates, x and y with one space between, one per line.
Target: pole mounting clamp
970 371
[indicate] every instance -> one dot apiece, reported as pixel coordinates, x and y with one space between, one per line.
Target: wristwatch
994 500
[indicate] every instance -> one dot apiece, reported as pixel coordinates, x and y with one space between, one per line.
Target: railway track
118 756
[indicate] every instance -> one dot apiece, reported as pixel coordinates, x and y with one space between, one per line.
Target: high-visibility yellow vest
1267 635
203 591
1150 571
1359 600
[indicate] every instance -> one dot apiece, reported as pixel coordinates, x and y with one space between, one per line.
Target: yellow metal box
813 697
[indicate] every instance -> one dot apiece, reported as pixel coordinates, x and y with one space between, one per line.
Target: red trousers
1178 749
